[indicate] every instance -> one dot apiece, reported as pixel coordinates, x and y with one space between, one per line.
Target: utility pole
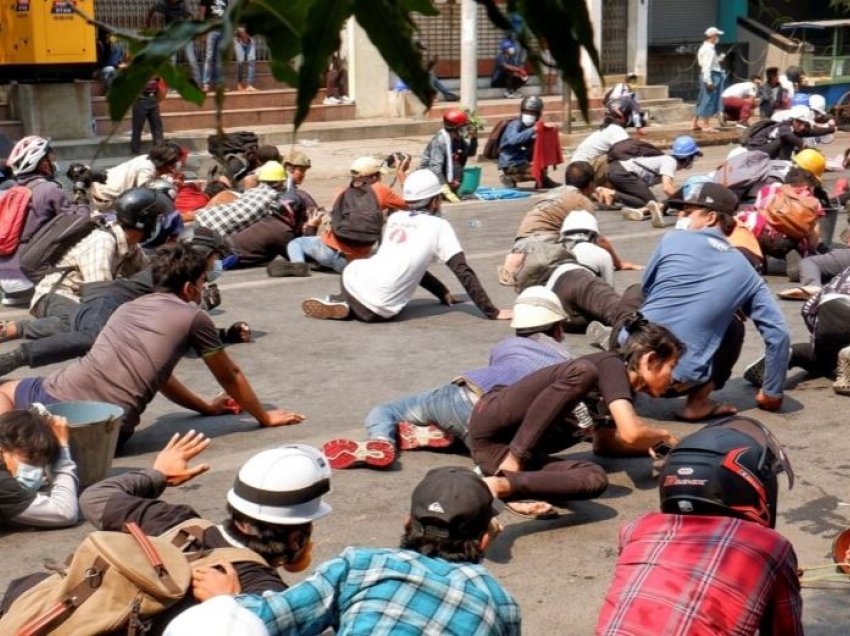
469 54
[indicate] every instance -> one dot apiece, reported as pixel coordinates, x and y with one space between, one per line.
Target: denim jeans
448 406
313 247
245 52
212 73
191 60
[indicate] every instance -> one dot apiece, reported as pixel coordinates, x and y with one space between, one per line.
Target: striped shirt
387 591
688 575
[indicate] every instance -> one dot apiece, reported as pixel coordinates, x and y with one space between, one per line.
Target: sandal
798 293
549 513
4 330
506 277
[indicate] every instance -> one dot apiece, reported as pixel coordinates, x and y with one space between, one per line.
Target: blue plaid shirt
372 591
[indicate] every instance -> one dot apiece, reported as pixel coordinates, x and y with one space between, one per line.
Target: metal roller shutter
675 21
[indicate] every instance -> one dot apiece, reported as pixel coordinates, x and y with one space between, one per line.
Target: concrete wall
638 37
766 48
59 111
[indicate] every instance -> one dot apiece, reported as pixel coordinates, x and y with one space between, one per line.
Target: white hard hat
283 485
818 104
219 616
420 185
801 112
27 154
537 307
580 221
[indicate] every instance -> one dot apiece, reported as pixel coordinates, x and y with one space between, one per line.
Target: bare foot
499 486
704 410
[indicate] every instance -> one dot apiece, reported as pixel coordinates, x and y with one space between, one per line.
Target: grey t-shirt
136 353
651 169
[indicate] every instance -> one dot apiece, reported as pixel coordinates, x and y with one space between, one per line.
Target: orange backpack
793 213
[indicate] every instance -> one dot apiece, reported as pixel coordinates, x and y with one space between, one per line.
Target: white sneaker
656 213
331 101
636 214
842 373
345 99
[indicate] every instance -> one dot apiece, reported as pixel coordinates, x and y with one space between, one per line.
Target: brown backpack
792 213
494 140
116 580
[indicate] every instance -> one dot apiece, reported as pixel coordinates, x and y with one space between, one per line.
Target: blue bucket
93 429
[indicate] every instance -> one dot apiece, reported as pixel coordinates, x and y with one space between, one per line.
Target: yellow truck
44 40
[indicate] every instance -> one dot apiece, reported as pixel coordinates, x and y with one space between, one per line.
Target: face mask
510 51
527 120
684 223
55 165
216 271
31 478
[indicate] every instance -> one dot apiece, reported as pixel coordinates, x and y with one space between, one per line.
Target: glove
449 195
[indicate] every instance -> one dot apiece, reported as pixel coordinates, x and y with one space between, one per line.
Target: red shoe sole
346 453
411 436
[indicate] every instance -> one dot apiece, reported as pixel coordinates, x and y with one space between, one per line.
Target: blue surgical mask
216 271
31 478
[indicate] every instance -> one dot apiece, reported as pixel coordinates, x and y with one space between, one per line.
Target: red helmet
455 118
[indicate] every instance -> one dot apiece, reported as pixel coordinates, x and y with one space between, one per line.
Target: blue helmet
684 147
800 99
506 44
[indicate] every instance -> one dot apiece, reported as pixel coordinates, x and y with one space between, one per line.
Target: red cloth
547 150
702 576
190 198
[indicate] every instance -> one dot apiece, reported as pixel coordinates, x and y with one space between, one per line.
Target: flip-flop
717 410
798 293
549 514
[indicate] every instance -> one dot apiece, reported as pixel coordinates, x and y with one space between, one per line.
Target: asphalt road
335 372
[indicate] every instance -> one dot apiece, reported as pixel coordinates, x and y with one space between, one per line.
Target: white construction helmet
818 104
579 221
537 307
801 112
283 485
421 185
27 154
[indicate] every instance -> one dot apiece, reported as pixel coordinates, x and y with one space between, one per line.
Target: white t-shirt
599 143
385 282
741 90
707 61
592 257
131 174
651 169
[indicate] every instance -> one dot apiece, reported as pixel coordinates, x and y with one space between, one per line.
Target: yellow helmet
812 161
271 172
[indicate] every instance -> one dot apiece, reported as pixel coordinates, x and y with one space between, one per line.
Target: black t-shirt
173 11
214 8
13 498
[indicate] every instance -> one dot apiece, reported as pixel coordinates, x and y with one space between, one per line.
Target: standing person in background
146 107
508 71
246 53
336 82
212 9
772 95
175 11
710 81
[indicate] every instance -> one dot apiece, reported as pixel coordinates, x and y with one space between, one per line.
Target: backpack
239 142
494 140
541 259
792 213
632 148
115 581
356 216
14 209
44 249
757 136
743 171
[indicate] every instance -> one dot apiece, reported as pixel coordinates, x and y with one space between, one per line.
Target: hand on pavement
281 417
220 578
173 460
505 314
628 265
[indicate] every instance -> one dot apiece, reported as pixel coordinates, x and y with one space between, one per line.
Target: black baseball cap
452 502
712 196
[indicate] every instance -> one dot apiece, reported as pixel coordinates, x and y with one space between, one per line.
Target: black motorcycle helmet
143 209
728 468
207 241
531 104
617 111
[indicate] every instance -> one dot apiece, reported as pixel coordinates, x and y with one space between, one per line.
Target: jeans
191 60
245 52
448 406
817 270
212 73
708 102
314 248
53 313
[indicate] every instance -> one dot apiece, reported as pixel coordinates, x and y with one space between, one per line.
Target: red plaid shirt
702 576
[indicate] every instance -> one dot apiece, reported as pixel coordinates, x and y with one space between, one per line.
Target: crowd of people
119 273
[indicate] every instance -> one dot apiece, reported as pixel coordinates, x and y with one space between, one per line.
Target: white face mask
527 119
31 478
684 223
216 271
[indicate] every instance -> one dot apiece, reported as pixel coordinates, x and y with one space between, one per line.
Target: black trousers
145 108
632 191
586 297
832 334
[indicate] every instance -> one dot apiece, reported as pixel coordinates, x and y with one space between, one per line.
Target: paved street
335 372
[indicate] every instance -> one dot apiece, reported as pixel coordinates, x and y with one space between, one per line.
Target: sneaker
325 308
636 214
279 268
792 266
411 436
507 181
599 335
11 361
656 213
331 101
18 299
754 374
251 89
346 453
509 95
842 373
